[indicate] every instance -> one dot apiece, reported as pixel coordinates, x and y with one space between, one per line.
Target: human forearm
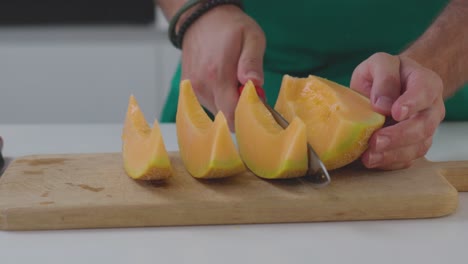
443 47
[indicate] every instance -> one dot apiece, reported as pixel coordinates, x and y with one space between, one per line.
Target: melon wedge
206 147
267 149
339 120
144 153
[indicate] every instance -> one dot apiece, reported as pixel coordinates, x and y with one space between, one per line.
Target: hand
408 93
223 48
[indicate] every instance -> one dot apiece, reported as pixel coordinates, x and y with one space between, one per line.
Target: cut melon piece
339 120
267 149
206 147
144 153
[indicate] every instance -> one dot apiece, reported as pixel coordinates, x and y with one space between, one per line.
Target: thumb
379 79
250 66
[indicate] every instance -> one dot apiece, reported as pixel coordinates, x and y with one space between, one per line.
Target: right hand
223 48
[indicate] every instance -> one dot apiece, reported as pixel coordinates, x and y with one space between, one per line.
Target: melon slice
206 147
339 120
267 149
144 153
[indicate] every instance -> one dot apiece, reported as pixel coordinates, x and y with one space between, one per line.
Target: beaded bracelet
175 19
177 39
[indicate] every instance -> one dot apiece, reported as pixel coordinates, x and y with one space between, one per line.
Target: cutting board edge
55 218
213 223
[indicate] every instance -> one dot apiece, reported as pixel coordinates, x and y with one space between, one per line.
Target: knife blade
316 172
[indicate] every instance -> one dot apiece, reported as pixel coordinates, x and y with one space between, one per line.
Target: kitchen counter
437 240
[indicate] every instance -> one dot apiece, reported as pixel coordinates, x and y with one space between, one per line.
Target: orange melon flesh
339 120
267 149
144 153
206 147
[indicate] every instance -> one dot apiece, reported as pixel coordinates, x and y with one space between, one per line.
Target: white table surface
439 240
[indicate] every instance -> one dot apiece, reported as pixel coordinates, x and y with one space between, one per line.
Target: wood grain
92 191
456 173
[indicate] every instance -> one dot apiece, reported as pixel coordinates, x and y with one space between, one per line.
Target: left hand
411 95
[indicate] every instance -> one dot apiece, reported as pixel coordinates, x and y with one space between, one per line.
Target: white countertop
439 240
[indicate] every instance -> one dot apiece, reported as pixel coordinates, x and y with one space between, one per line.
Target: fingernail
375 158
404 112
384 103
382 142
253 76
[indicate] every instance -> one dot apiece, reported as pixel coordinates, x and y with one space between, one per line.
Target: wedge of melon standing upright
339 120
206 147
267 149
144 153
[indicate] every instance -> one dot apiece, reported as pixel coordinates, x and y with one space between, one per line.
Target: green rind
150 171
287 169
219 169
347 145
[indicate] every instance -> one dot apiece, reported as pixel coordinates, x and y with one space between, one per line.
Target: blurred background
78 61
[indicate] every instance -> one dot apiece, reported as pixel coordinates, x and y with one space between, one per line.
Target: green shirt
329 38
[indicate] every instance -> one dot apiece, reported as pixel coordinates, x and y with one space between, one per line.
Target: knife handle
260 91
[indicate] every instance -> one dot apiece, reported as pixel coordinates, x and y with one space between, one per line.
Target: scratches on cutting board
33 172
86 187
44 161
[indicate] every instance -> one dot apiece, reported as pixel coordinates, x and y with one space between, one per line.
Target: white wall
83 74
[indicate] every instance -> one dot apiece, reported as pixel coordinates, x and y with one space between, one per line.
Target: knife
316 172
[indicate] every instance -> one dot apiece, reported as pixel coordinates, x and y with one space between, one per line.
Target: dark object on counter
2 160
31 12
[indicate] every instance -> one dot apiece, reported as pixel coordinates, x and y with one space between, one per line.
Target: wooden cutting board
92 191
